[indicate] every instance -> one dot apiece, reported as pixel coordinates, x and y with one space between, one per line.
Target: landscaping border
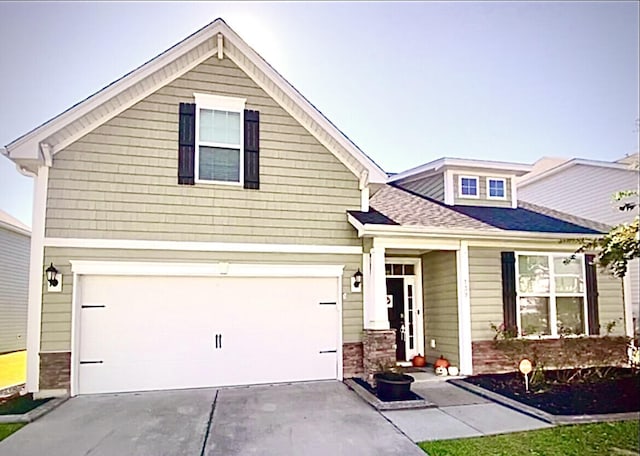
376 403
540 414
34 414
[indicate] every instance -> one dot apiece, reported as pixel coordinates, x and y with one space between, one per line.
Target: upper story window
551 295
496 188
468 187
219 139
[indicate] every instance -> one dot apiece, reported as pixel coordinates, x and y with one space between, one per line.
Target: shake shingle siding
120 180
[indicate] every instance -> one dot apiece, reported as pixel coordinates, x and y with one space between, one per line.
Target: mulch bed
17 404
619 392
410 397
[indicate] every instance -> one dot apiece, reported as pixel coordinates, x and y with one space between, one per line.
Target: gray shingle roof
392 205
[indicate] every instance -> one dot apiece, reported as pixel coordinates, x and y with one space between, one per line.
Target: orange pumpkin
441 362
418 361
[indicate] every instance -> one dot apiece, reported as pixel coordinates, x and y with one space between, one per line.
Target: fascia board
24 147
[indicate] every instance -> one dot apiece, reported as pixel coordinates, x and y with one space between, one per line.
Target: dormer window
468 187
496 188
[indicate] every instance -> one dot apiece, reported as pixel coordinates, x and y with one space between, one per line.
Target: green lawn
7 429
617 438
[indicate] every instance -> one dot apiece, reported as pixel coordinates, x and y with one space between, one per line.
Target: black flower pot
393 387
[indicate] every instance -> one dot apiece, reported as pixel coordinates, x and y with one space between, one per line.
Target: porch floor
427 374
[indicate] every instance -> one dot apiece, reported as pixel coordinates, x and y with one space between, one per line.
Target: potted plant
392 384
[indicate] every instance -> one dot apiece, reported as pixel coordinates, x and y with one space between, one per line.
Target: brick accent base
352 360
55 370
489 358
379 348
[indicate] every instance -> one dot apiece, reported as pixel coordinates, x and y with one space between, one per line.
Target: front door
396 308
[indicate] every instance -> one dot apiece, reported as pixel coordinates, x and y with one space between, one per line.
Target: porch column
464 309
375 297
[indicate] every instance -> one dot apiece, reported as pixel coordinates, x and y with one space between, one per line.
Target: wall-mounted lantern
54 278
356 282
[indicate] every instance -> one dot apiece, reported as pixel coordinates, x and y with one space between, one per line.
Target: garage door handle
218 340
90 362
328 351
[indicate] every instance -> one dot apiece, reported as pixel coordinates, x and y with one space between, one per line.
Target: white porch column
375 297
36 273
464 309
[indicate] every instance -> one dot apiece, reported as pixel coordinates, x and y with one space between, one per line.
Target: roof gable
11 223
566 164
217 38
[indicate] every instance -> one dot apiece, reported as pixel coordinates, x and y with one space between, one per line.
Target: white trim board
124 268
191 246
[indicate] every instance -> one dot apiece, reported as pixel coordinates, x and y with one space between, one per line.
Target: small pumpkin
441 371
442 362
418 361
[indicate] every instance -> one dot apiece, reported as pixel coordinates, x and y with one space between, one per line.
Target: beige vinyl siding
485 290
56 307
482 199
14 285
432 187
610 303
441 306
120 181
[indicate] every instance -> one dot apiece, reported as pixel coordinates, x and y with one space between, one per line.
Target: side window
496 188
468 187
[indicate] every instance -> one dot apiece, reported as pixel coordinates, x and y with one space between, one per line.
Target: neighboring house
586 188
210 227
14 271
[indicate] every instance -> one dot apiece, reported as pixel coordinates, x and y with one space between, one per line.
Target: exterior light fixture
357 279
52 272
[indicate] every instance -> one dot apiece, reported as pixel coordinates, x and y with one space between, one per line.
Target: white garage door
149 333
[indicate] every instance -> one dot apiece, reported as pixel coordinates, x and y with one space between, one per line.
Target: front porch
416 302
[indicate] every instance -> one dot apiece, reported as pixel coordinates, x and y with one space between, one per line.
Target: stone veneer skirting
352 360
55 370
489 358
378 350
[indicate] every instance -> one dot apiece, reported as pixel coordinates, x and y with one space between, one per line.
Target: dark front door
395 289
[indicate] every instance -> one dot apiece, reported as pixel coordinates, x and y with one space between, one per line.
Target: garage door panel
159 332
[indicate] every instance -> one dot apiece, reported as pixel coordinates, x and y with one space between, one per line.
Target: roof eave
374 230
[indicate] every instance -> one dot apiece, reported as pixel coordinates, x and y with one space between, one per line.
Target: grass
616 438
13 369
7 429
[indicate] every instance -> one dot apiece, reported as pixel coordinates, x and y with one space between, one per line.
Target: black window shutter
251 149
592 294
187 144
509 291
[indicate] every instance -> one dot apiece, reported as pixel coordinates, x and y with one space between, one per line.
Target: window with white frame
468 187
496 188
219 139
551 294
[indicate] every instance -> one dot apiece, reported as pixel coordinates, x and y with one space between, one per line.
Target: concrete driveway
305 418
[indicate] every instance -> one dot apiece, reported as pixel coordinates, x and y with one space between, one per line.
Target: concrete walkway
459 414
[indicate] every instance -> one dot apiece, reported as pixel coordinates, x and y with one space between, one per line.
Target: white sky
407 82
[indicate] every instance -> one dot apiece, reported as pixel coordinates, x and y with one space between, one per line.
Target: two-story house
199 223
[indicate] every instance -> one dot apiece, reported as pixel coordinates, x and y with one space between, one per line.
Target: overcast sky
407 82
